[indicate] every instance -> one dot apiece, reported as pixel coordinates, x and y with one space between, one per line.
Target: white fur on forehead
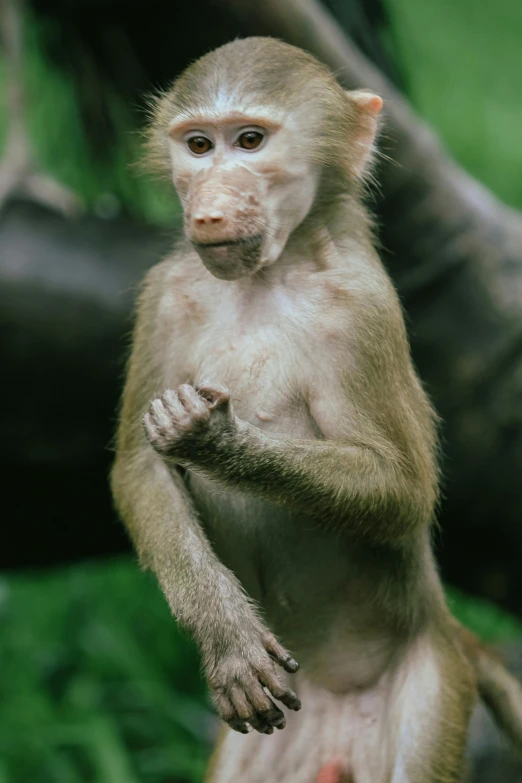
225 104
261 70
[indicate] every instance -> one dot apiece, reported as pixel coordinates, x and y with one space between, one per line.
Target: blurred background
96 682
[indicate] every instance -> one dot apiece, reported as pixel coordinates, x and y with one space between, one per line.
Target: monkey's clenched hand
240 677
184 425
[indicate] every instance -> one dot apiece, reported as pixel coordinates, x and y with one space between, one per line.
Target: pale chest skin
281 344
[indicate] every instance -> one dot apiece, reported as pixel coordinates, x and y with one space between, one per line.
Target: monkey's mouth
231 258
251 241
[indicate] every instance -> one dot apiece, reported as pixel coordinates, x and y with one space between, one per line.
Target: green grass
96 682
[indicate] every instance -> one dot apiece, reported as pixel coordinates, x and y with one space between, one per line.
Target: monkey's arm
339 482
368 483
237 649
153 502
377 478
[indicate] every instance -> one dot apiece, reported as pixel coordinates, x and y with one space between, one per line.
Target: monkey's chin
231 259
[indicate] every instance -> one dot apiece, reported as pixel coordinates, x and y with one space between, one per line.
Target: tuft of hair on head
337 127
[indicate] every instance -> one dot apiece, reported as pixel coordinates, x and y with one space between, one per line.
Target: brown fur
285 483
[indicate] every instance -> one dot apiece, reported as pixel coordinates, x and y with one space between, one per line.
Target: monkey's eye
199 145
249 140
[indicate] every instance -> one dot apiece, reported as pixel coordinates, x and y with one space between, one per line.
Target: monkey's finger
148 423
179 418
280 655
260 724
246 711
274 716
192 402
279 691
158 413
172 405
216 394
152 430
228 713
264 707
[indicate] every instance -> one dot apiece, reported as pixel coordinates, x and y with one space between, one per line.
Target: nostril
204 220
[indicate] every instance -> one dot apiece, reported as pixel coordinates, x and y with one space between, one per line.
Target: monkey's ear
367 105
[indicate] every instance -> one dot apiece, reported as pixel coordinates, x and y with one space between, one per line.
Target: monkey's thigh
431 700
410 728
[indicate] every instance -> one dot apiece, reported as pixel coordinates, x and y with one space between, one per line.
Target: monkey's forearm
361 488
202 593
238 650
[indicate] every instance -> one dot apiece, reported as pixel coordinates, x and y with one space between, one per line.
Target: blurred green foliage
96 683
60 143
462 61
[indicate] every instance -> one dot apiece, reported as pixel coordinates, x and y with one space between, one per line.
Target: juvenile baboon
276 455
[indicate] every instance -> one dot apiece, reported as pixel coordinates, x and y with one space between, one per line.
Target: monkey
277 456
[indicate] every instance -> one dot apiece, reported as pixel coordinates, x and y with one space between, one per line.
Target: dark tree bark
66 292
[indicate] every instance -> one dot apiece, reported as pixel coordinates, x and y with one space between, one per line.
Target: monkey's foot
36 186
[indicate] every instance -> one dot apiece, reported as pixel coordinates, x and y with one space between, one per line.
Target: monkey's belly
317 591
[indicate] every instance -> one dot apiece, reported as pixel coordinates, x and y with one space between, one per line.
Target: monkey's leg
19 174
428 712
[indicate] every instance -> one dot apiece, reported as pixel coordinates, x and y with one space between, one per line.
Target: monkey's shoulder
175 290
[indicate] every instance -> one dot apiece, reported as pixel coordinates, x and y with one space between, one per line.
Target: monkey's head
254 134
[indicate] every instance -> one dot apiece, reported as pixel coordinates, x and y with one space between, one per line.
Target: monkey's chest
268 375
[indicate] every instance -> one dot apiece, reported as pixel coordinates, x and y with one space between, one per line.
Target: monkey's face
245 185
